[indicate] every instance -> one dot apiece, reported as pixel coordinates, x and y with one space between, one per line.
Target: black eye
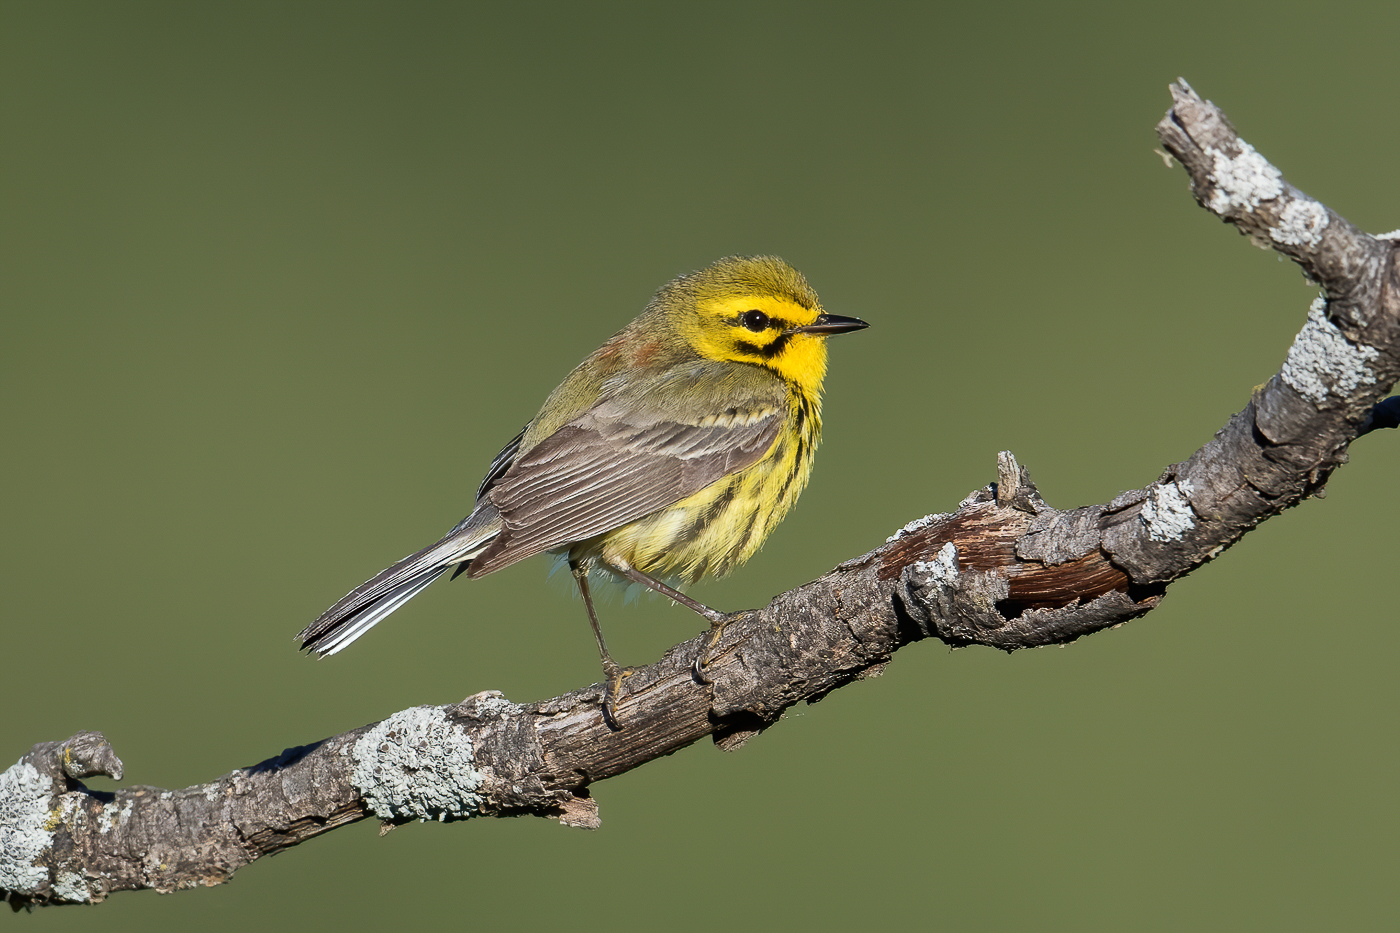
754 320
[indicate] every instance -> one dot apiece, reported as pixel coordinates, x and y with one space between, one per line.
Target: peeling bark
1005 570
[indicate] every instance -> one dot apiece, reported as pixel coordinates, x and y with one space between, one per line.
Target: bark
1004 570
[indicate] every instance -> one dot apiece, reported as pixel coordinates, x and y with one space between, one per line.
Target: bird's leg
612 671
717 619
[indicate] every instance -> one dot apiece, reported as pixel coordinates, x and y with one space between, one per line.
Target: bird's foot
700 669
612 694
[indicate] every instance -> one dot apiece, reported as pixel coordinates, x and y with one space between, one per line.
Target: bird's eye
754 320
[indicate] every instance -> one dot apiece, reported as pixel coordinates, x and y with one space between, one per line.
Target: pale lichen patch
1323 363
1301 223
69 886
914 526
1166 512
111 816
943 569
25 833
1242 182
417 764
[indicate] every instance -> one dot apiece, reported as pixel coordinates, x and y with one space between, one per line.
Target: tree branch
1004 570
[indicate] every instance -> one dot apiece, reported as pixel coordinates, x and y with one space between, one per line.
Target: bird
670 453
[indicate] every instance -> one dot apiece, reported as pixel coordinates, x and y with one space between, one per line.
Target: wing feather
619 461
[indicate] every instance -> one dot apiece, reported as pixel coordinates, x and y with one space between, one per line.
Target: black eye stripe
757 322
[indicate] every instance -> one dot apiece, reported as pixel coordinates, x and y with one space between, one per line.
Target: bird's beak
829 324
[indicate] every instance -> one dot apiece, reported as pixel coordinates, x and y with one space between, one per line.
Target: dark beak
829 324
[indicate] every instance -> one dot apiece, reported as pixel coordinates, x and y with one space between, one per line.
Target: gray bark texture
1004 570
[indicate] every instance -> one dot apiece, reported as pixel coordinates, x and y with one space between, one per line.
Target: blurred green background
281 278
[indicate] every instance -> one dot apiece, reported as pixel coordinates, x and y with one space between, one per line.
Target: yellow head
759 310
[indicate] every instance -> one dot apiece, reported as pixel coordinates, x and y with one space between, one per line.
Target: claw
702 659
612 692
697 669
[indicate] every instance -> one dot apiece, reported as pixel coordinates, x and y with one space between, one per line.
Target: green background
280 279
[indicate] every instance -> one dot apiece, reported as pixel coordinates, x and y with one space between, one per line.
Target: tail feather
336 633
359 610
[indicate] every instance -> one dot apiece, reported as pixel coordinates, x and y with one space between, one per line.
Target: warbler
669 453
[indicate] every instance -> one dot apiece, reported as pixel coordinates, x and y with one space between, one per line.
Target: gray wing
620 461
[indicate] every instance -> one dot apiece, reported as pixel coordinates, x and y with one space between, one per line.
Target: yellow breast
723 525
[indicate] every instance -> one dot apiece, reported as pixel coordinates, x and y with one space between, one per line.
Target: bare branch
1005 570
